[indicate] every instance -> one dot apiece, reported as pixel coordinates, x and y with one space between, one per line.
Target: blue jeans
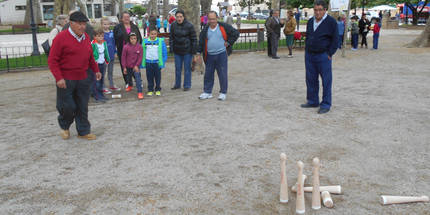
220 64
375 40
318 65
354 41
340 41
153 73
137 77
186 61
98 89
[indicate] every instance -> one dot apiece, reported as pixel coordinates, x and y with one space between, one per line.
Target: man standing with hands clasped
321 44
70 57
273 26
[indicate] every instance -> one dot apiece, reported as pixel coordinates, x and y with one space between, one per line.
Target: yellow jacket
290 26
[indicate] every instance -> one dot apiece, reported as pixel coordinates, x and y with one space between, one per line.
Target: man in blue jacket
321 44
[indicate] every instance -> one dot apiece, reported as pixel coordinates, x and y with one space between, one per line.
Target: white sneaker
290 56
205 96
222 96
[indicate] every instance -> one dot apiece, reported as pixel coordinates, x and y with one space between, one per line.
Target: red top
376 28
171 19
70 59
131 55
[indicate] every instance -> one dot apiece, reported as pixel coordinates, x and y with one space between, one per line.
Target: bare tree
36 11
165 8
153 7
206 6
192 12
424 39
121 6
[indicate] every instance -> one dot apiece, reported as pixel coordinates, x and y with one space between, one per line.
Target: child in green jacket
101 56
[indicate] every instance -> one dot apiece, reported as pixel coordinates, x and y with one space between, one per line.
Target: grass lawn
24 62
39 30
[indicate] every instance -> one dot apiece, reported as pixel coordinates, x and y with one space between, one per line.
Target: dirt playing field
175 154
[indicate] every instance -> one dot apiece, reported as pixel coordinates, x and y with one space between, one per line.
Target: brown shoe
65 134
88 136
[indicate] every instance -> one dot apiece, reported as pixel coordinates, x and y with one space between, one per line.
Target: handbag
46 47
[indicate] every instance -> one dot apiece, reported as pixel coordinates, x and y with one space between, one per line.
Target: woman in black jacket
121 32
364 26
183 43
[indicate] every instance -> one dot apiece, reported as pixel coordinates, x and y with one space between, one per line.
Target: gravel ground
175 154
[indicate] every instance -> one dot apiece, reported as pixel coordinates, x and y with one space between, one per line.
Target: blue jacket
158 23
110 40
324 39
162 51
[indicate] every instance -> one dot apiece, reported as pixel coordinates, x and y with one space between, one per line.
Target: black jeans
364 39
72 105
269 46
274 44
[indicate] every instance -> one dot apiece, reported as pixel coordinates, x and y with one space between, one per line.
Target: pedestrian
364 26
88 29
216 43
229 19
132 59
145 24
376 30
289 31
155 57
101 56
110 41
121 32
273 26
165 23
268 35
69 60
298 15
355 30
201 22
183 43
238 21
60 21
158 24
341 29
321 44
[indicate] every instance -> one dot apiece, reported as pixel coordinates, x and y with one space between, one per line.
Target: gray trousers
110 71
274 43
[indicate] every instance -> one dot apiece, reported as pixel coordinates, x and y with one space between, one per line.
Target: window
48 12
97 11
108 9
90 11
20 7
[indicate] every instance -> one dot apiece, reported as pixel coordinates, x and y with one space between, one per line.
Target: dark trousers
364 39
340 41
354 41
375 40
72 105
318 65
219 63
153 74
97 89
269 46
274 44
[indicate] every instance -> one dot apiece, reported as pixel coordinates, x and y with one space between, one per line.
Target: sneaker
150 93
157 93
205 96
129 88
88 136
106 91
222 96
65 134
290 56
140 95
114 88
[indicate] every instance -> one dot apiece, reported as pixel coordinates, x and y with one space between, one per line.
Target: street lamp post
33 31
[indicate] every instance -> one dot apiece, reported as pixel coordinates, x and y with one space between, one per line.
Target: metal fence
19 57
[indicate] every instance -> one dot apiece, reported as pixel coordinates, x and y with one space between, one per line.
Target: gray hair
60 18
322 3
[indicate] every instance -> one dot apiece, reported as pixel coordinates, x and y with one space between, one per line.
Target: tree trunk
82 6
275 5
121 7
423 40
206 6
58 7
153 7
165 9
36 12
192 12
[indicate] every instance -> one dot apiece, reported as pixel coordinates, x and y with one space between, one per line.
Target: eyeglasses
319 10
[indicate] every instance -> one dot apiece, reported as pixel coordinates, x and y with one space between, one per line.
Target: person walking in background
154 59
376 30
158 24
145 24
165 23
364 26
69 60
183 43
216 43
101 56
238 21
289 31
355 30
121 32
321 44
229 19
60 21
297 16
132 59
268 35
341 29
273 26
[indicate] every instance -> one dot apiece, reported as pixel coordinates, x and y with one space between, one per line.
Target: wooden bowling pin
386 200
336 189
316 195
300 200
283 195
327 201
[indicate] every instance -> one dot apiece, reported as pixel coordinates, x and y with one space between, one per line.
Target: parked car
371 15
260 16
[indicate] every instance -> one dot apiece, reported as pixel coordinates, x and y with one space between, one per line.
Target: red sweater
70 59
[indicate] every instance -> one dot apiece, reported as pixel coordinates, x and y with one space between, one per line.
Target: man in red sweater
70 57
